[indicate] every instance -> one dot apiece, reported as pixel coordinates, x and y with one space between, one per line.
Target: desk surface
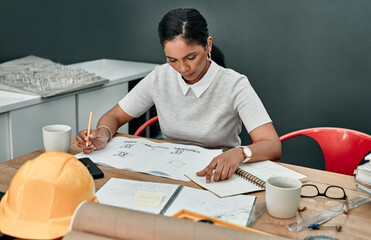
356 225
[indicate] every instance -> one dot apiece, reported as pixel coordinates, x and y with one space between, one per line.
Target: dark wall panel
309 60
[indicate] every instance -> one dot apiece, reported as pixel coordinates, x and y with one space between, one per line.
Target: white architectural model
39 76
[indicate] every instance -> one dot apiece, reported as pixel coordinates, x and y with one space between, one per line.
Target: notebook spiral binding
250 177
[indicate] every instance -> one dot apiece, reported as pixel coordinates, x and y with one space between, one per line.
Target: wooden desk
356 225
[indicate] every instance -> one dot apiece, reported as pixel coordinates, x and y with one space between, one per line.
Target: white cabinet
4 138
23 116
99 101
26 123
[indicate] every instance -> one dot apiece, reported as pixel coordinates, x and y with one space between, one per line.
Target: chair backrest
343 149
145 125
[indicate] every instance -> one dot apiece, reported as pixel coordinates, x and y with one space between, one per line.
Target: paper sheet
121 193
235 209
147 199
160 159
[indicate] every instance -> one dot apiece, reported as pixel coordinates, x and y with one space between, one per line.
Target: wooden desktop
355 225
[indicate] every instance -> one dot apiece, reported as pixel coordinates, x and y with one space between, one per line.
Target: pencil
90 117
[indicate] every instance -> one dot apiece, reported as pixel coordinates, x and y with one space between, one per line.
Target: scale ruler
325 215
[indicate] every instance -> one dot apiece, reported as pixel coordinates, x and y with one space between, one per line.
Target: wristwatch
247 152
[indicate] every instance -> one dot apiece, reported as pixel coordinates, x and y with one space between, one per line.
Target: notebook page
233 186
267 169
238 185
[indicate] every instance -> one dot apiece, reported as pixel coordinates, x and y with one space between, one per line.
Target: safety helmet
43 196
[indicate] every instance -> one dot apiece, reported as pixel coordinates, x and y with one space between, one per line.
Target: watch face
247 152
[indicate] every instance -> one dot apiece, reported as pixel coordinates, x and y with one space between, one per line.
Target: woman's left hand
223 165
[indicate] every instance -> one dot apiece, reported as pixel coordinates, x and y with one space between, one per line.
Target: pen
91 115
316 226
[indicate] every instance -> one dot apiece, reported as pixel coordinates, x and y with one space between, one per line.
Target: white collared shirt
199 87
209 115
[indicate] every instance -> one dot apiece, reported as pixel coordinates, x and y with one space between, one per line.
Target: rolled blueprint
108 222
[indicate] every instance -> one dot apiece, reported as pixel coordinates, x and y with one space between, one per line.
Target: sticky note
147 199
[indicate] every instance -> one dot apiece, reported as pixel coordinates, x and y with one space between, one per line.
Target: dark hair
189 24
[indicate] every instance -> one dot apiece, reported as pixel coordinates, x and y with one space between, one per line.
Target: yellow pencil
90 117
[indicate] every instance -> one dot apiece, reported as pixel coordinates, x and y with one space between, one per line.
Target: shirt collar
200 87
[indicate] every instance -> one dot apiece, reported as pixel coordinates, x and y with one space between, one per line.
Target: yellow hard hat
43 196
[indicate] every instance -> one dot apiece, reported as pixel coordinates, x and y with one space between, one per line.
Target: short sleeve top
207 113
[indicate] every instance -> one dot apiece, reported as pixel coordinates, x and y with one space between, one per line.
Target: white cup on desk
282 196
57 138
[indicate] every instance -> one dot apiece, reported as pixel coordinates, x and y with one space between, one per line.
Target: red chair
145 125
343 149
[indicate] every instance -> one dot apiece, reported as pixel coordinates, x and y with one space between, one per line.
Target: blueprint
123 193
161 159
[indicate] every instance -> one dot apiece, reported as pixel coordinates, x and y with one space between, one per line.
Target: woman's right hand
97 140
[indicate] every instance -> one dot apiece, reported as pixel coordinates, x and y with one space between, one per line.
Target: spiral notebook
250 177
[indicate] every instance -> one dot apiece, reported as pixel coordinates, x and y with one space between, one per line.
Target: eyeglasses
332 192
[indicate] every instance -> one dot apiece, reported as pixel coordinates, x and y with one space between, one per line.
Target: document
363 174
168 199
363 188
249 177
161 159
127 193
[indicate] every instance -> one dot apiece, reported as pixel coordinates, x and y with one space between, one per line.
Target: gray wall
309 60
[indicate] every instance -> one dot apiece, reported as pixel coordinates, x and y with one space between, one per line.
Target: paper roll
85 236
119 223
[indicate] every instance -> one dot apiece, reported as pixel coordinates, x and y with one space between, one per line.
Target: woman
197 101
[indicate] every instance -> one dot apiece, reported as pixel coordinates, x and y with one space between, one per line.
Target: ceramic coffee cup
282 196
57 138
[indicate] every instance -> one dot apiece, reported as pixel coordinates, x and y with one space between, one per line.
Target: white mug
282 196
57 138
